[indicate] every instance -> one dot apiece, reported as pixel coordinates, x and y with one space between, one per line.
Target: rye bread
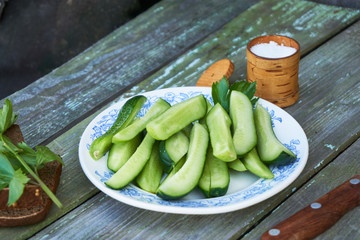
34 204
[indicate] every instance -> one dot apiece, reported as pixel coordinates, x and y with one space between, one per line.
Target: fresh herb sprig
16 161
221 91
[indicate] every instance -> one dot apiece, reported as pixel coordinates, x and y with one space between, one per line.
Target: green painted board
109 218
345 166
120 60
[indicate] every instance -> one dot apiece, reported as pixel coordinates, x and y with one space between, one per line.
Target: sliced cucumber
242 116
173 149
270 149
187 130
219 122
133 166
186 179
214 181
175 169
127 113
150 177
237 165
135 128
202 121
253 163
121 152
177 117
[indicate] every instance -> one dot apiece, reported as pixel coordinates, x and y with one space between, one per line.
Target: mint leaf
220 93
44 155
16 186
6 169
7 117
16 180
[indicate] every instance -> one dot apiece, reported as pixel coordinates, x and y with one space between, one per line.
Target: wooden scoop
215 72
320 215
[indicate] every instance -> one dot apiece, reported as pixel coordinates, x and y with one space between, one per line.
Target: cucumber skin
166 162
133 166
126 114
177 117
241 113
265 134
184 182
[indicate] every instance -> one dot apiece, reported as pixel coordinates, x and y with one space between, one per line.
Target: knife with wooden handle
320 215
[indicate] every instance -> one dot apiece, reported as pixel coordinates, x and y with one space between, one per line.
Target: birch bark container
277 78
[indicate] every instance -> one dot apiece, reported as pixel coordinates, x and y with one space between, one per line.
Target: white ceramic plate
245 189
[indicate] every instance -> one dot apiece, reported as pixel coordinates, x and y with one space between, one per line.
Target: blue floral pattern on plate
249 195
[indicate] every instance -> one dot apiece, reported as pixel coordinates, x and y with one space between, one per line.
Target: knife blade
320 215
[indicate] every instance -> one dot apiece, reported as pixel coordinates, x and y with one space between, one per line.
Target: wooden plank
309 23
327 135
345 166
118 61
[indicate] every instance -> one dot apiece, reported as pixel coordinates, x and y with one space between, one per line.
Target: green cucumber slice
253 163
126 114
121 152
173 149
270 149
215 179
175 169
202 121
242 116
186 179
150 177
237 165
133 166
135 128
177 117
219 122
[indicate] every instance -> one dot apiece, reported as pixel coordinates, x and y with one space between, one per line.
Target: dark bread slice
34 204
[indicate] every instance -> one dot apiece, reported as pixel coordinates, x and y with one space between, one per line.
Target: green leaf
28 154
6 169
44 155
3 185
220 93
7 117
16 186
245 87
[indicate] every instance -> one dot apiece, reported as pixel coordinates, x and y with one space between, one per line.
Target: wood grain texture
330 125
343 167
309 23
115 63
320 215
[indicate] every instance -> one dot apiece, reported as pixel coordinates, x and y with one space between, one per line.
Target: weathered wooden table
170 45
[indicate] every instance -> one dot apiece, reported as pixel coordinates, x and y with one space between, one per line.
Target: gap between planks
334 156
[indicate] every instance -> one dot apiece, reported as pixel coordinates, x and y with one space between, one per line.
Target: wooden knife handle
320 215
